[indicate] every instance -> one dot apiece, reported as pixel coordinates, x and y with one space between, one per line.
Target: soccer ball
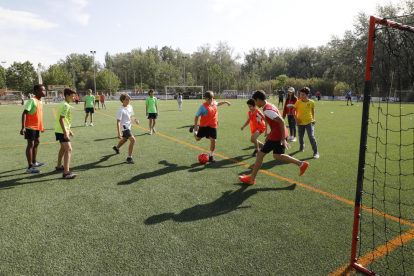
203 158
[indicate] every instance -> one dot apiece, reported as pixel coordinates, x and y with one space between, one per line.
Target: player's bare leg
131 145
121 142
29 151
257 164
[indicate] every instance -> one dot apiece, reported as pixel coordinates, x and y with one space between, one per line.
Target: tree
21 77
106 83
56 75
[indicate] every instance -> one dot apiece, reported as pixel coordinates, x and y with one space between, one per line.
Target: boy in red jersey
276 139
257 125
32 124
208 122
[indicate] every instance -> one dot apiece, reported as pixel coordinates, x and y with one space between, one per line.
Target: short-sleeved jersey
281 93
209 114
271 112
124 115
89 101
151 102
97 97
34 118
304 111
348 94
64 110
256 121
288 109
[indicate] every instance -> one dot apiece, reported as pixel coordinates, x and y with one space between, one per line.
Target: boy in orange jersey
103 100
257 125
276 140
208 122
32 124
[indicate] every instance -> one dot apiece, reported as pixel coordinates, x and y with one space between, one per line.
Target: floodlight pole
140 72
134 82
4 71
184 68
94 77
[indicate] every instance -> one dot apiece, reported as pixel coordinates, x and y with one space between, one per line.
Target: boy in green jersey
62 132
89 106
151 110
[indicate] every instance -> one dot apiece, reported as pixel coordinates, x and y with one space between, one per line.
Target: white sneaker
288 139
91 124
150 133
32 170
86 124
293 139
153 129
316 156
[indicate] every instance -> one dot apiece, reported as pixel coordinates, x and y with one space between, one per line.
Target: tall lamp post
135 87
4 71
140 72
184 68
94 78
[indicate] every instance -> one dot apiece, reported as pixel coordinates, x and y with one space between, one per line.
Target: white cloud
20 20
231 8
73 10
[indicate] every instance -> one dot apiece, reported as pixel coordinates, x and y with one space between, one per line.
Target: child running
151 110
305 118
289 110
88 106
124 118
62 132
257 125
276 140
208 122
32 124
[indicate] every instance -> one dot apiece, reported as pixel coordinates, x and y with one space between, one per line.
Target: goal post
174 87
12 97
383 212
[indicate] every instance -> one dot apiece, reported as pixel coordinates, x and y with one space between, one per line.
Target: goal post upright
374 22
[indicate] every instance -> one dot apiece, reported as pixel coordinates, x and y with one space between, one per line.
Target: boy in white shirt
123 120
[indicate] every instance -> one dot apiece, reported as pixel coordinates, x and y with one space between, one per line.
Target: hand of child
66 136
285 144
23 131
71 133
136 121
229 104
297 121
314 122
119 136
242 128
43 130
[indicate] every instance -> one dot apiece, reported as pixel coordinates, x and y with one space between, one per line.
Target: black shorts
280 100
127 133
31 134
273 145
152 116
61 138
96 101
207 132
89 110
348 98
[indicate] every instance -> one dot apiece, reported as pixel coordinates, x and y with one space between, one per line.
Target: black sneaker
59 169
211 159
115 149
254 154
69 175
130 161
192 129
302 148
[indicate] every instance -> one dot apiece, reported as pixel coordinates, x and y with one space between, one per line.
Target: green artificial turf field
167 214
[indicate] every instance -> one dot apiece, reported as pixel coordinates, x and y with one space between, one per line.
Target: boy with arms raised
88 106
208 122
276 139
123 118
32 124
257 125
62 133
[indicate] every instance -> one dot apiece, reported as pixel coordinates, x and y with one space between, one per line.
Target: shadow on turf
228 202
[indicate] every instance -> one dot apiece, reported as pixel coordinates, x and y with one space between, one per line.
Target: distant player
77 99
348 97
62 133
359 97
96 100
103 100
257 125
276 140
32 124
123 122
180 101
304 112
288 110
151 110
89 107
208 122
318 96
281 93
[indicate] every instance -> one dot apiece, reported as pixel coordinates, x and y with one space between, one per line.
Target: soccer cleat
86 124
246 179
211 159
59 169
69 175
115 149
289 138
153 129
38 164
316 156
91 124
150 133
303 168
254 154
32 170
129 160
294 139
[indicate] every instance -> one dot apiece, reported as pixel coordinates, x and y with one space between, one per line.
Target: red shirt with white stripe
270 111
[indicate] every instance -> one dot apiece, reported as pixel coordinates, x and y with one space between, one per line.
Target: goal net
383 232
188 92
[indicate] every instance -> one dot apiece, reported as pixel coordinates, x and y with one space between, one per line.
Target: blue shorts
152 116
61 138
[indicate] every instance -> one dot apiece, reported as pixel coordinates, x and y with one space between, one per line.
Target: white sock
301 165
211 153
129 156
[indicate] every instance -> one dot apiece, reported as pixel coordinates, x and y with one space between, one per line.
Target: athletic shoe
211 159
91 124
38 164
294 139
153 129
303 168
302 148
246 179
254 154
59 169
32 170
115 149
86 124
129 160
69 175
316 156
192 129
150 133
289 138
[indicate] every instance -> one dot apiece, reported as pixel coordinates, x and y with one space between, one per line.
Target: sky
45 31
